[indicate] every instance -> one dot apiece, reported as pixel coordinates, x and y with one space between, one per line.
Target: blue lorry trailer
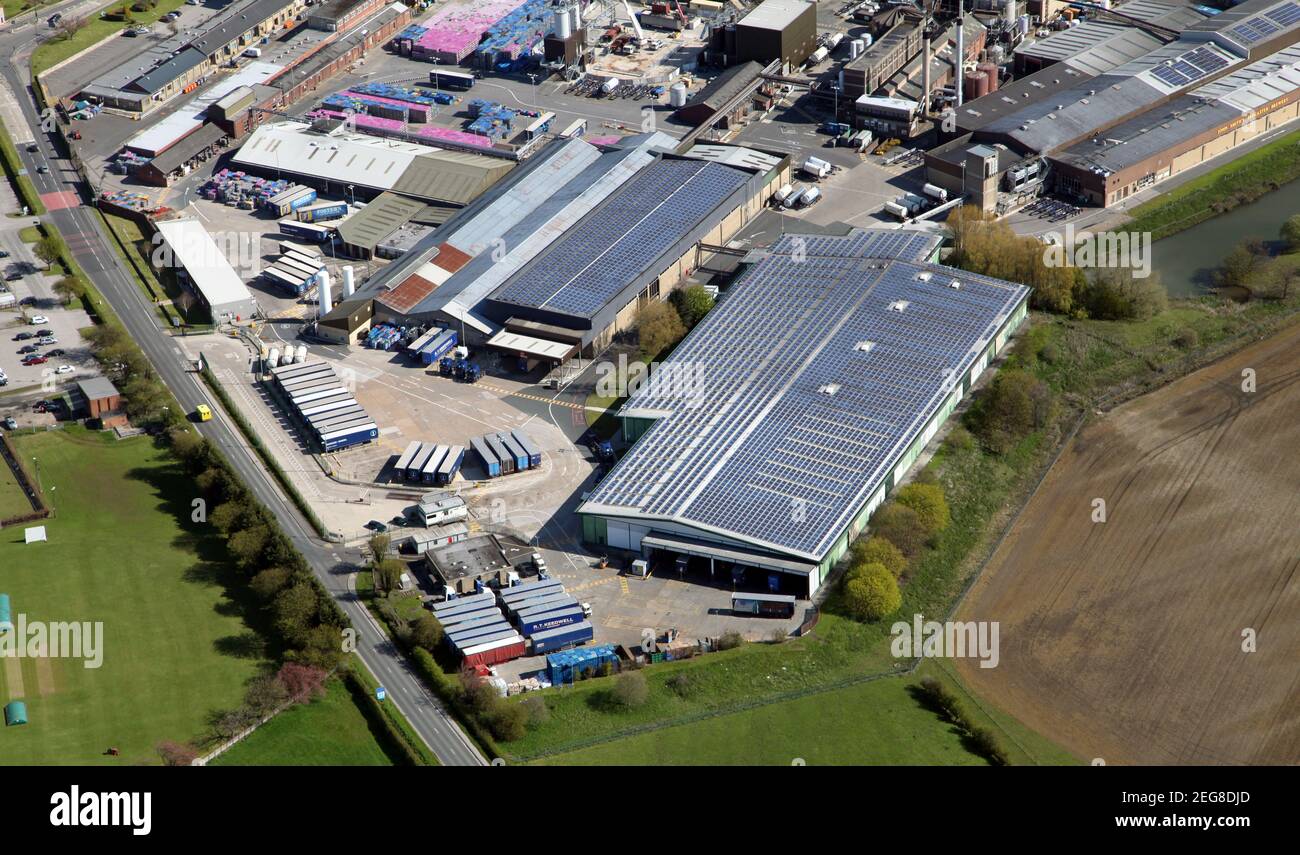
519 592
504 457
486 456
561 637
530 448
551 620
516 451
450 464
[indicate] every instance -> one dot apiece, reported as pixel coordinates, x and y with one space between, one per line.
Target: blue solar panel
1188 70
596 259
1206 60
1285 15
811 385
1170 76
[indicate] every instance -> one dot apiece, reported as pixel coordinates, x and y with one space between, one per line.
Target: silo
975 85
563 24
677 95
990 74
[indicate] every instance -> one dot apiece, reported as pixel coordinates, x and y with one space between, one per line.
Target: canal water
1186 261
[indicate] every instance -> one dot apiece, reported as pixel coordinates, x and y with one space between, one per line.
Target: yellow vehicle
203 413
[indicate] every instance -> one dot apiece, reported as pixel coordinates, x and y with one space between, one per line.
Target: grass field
176 646
873 723
13 501
329 731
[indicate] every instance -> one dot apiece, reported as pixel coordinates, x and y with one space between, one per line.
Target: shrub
872 595
901 526
1187 338
928 502
1013 405
507 722
730 640
630 690
878 550
691 303
658 328
538 713
680 685
426 632
1115 294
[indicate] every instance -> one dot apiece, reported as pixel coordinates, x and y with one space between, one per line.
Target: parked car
4 253
10 424
13 277
23 336
58 351
64 369
47 340
37 320
377 526
27 348
35 360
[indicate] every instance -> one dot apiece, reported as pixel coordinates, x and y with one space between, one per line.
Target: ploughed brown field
1123 640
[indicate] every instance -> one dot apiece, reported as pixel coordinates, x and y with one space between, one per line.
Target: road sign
380 693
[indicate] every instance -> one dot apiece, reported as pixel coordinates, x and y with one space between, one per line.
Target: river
1185 261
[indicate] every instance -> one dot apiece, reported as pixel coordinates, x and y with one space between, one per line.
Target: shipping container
537 624
429 472
496 652
517 453
404 461
562 637
763 605
530 448
451 464
503 455
491 465
513 595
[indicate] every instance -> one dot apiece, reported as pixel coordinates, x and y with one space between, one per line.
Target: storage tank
990 72
975 85
301 355
935 192
1022 24
818 56
563 25
855 48
273 359
349 282
609 85
677 95
835 40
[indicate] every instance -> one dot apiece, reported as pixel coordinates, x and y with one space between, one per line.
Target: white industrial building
202 267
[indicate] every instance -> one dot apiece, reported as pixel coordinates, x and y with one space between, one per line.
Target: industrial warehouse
829 367
1104 113
559 256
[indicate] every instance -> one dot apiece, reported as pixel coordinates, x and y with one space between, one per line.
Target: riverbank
1239 182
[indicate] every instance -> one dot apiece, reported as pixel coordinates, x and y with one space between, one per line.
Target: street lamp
533 79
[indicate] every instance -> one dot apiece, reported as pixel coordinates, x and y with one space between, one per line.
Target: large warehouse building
1103 137
205 270
561 254
775 29
792 410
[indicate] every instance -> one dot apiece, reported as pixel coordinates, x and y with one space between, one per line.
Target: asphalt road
80 228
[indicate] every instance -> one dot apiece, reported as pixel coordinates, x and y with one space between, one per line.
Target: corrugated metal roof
377 220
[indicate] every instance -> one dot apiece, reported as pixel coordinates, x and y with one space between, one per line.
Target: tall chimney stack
925 74
959 57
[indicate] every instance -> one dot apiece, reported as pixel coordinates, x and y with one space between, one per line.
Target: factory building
784 30
562 254
359 166
1093 47
769 468
181 63
1100 137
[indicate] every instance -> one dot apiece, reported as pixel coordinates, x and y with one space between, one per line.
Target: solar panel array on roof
595 260
1285 16
1190 67
817 385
